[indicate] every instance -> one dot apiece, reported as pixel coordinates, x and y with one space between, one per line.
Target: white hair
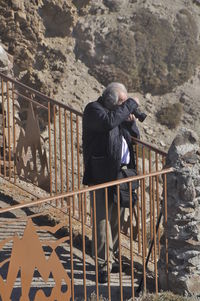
112 93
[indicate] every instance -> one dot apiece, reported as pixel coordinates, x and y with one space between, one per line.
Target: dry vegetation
167 296
170 115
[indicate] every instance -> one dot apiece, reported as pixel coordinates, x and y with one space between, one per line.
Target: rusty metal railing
59 263
148 159
41 146
40 139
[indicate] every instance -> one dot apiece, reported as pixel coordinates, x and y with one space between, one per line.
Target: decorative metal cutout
26 258
31 157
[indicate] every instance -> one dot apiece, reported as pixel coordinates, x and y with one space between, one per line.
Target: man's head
115 94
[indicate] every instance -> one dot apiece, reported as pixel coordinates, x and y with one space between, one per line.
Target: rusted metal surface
30 265
33 140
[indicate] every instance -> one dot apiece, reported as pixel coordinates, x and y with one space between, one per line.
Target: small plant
170 115
165 296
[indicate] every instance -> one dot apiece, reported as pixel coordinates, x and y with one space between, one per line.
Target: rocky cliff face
130 42
71 49
183 211
24 27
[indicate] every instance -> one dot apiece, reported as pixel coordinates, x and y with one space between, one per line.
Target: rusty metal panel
30 263
31 157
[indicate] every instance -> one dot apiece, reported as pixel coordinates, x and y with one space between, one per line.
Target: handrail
87 189
149 146
46 98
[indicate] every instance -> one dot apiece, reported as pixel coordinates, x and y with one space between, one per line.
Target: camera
139 115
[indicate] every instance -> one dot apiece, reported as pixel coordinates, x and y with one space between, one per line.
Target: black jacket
102 140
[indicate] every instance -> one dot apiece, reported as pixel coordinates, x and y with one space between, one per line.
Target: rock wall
148 45
70 49
136 43
25 30
183 210
6 61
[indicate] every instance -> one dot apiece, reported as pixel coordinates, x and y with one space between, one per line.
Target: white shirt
125 157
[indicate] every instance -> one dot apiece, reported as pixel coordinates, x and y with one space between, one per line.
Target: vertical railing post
131 241
119 241
66 152
61 155
72 158
157 201
155 237
14 135
9 142
49 132
144 201
107 242
71 247
78 156
165 228
83 244
150 197
4 125
95 241
143 234
55 150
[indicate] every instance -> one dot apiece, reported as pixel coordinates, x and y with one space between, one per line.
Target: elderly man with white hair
108 124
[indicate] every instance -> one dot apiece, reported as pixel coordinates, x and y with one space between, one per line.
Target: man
108 124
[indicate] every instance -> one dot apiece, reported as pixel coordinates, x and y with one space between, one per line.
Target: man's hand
131 117
136 100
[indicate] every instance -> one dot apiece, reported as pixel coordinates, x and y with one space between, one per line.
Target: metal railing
41 145
52 258
41 139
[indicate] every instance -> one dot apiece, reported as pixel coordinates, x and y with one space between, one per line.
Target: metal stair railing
41 146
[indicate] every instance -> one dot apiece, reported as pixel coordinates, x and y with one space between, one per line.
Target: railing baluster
4 125
55 150
138 208
14 135
131 241
83 243
85 205
157 201
119 241
144 200
78 158
9 142
71 248
95 242
49 131
165 227
155 237
66 153
61 153
138 221
150 198
143 234
72 158
107 243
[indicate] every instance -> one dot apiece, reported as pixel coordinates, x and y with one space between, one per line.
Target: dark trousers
101 230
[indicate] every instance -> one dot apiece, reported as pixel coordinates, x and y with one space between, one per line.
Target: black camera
139 115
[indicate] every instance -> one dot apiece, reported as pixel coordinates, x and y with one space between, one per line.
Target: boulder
5 62
183 222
